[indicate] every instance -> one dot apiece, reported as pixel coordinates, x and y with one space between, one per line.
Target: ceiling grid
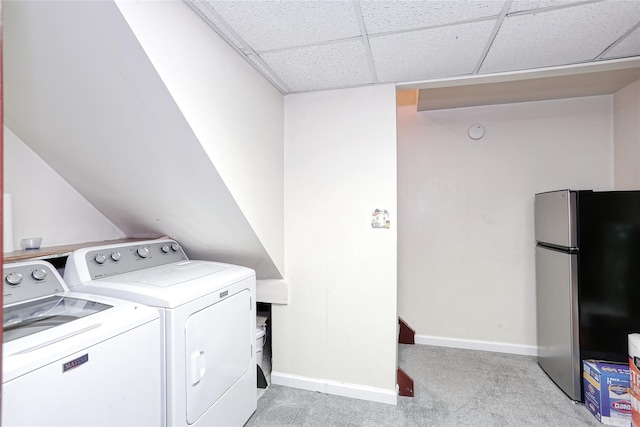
365 38
329 44
494 33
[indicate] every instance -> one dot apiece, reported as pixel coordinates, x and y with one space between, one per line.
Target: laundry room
106 143
162 180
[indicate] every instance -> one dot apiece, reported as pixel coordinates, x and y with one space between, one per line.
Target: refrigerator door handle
564 249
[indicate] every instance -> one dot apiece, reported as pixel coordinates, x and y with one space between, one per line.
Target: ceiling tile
522 5
269 25
558 37
630 46
428 54
389 16
328 66
302 45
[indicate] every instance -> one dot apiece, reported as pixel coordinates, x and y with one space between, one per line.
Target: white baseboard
356 391
498 347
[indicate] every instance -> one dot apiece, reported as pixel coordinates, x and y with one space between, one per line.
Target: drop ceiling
311 45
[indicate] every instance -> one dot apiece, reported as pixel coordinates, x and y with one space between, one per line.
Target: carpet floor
452 387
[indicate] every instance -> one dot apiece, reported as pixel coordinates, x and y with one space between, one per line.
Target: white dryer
73 359
208 314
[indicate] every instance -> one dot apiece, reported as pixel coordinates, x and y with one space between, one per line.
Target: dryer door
218 351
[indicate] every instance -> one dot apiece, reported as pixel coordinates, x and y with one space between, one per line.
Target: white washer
73 359
208 312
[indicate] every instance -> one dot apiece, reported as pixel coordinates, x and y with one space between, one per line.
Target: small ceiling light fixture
476 131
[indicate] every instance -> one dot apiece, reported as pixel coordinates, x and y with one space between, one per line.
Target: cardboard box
606 391
634 368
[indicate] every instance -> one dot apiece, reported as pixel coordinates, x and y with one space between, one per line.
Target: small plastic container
261 339
31 243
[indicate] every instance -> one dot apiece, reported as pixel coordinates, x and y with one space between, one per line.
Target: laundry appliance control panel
119 259
28 280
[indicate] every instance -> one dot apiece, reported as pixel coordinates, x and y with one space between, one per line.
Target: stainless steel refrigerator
587 280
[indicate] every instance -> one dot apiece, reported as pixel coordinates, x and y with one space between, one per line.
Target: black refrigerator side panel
608 272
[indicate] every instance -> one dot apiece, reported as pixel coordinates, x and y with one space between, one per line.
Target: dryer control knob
143 252
175 247
115 256
164 249
39 274
100 258
13 278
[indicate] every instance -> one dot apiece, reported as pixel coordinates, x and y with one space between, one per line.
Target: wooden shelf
60 251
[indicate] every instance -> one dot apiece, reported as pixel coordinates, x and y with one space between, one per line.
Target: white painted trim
356 391
507 76
497 347
272 291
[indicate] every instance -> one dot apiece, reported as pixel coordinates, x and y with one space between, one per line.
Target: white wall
626 131
81 91
45 205
235 113
466 239
339 328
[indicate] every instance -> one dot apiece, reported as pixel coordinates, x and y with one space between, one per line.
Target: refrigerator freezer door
609 229
557 319
555 218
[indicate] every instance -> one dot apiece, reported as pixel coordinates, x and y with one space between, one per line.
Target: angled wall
47 206
237 115
83 94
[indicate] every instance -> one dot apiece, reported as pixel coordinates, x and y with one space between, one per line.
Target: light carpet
453 387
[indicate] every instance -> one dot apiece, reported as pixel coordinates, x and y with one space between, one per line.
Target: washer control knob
143 252
39 274
175 247
13 279
115 256
165 249
100 258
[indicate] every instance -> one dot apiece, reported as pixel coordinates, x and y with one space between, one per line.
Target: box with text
634 368
606 391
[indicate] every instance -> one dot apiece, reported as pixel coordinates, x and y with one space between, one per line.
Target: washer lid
38 315
66 336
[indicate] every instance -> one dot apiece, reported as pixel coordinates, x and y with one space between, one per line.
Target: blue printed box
606 391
